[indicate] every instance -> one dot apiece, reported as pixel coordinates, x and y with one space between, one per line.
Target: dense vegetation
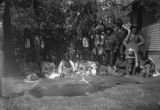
59 21
56 17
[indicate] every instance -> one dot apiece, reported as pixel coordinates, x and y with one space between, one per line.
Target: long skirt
109 58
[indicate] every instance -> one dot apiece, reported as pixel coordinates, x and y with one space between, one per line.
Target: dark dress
110 44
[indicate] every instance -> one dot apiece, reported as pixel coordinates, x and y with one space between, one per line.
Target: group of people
108 45
39 46
33 45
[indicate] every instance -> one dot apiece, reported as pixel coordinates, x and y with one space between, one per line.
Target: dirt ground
131 93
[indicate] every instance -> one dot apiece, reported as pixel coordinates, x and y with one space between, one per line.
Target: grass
127 96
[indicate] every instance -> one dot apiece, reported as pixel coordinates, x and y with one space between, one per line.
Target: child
147 67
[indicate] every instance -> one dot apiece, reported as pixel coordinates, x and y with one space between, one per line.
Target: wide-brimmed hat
134 26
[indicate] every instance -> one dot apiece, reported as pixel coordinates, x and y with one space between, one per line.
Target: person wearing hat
110 43
133 40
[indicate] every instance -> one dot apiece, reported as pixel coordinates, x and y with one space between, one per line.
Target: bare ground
131 94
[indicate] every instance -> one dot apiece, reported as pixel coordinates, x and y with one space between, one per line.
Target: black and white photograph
79 54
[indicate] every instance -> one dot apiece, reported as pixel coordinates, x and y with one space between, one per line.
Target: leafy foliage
81 16
110 10
78 16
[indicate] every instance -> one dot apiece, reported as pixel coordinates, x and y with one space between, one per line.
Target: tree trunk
9 64
7 26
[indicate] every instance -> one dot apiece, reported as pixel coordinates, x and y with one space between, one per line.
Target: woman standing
110 43
132 43
98 49
133 40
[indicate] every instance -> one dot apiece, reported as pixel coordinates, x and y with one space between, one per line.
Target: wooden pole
1 52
